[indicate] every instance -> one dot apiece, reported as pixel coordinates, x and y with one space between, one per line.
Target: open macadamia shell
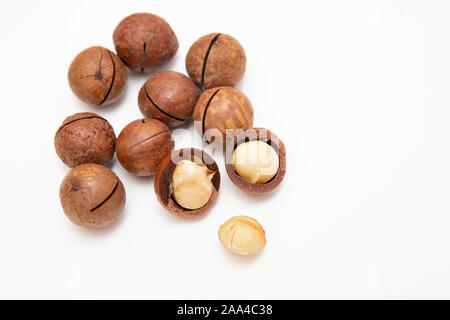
97 76
163 181
144 41
168 96
92 196
142 145
251 135
216 60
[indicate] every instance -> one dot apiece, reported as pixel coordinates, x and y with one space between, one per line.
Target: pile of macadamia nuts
187 181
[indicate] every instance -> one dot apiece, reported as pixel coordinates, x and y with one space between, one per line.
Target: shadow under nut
92 196
85 138
144 41
168 96
216 60
142 145
97 76
163 182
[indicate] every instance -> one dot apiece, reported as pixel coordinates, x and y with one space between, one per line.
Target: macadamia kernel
242 235
192 185
255 161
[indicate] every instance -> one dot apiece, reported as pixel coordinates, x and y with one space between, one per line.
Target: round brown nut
221 112
216 60
144 41
85 138
92 196
187 182
242 235
168 96
142 145
97 76
255 160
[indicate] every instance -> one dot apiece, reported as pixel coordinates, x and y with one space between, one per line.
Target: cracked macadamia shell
264 182
216 60
242 235
92 196
221 109
97 76
85 138
142 145
168 96
144 42
165 183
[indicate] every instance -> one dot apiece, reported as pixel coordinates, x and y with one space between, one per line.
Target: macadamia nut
242 235
256 161
97 76
144 41
92 196
192 185
222 112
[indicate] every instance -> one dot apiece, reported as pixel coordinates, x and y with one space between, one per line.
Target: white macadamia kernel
256 161
242 235
192 186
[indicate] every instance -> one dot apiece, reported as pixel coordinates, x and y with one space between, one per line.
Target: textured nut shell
97 76
92 196
226 108
168 96
142 145
250 135
225 62
163 180
196 56
242 235
85 138
138 29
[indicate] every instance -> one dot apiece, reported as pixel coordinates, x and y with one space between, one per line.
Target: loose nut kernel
192 185
256 161
242 235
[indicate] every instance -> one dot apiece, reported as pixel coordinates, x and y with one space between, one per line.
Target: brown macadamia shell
267 136
163 181
97 76
144 42
219 109
92 196
168 96
85 138
142 145
216 60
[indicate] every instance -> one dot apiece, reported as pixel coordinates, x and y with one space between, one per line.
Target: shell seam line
158 108
205 61
107 198
112 80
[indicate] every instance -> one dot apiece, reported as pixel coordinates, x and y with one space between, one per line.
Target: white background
358 91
